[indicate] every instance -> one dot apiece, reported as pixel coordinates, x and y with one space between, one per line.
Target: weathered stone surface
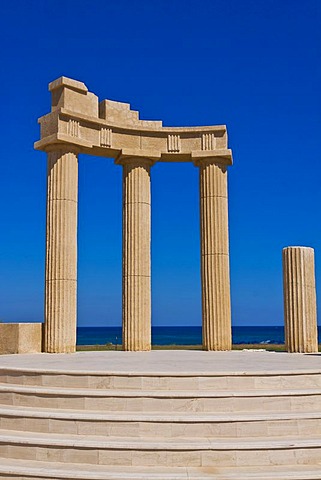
300 311
20 338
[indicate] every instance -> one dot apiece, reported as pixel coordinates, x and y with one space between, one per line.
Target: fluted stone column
61 251
300 312
136 254
216 306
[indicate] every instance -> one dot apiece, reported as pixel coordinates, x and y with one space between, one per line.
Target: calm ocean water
180 335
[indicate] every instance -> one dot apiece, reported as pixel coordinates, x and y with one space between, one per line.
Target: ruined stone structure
300 305
78 123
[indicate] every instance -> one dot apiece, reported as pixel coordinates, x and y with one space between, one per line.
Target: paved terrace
176 362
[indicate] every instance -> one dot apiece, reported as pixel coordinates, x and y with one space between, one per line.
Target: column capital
219 158
134 160
63 148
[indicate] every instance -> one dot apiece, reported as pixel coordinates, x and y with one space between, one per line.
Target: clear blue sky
252 65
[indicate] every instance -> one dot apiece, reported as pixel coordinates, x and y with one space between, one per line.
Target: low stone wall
20 338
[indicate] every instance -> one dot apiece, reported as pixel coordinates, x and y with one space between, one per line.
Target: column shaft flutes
215 273
300 312
136 255
61 252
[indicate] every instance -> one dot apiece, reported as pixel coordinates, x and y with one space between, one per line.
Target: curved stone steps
171 425
31 470
158 424
163 381
176 452
160 400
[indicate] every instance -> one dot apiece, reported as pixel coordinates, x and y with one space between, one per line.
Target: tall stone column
61 251
216 304
136 254
300 311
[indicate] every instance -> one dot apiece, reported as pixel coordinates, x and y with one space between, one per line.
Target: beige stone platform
158 362
160 415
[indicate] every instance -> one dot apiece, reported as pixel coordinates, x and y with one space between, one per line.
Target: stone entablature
112 129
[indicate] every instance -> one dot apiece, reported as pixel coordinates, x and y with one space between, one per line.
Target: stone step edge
90 392
56 471
155 417
146 373
36 439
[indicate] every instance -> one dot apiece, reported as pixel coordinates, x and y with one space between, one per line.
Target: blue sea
180 335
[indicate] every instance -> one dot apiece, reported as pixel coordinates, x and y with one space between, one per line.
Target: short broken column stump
300 311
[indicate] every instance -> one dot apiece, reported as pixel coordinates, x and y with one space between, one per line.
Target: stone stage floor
176 362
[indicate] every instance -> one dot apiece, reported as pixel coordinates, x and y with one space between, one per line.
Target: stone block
73 96
20 338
